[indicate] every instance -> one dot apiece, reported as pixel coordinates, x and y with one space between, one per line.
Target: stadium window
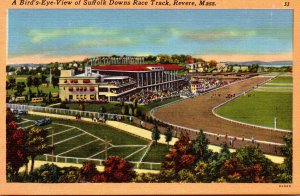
92 97
70 97
103 89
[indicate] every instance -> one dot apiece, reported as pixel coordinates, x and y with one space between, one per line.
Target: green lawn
147 108
113 108
23 78
260 109
282 79
91 147
34 90
260 106
157 153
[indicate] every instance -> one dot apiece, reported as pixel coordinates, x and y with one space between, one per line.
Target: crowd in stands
146 97
186 92
122 82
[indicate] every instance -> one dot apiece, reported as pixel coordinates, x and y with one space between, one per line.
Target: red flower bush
118 170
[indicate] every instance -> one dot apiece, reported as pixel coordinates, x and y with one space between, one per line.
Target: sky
44 36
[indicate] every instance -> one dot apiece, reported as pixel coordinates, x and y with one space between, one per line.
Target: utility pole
50 76
105 148
52 144
106 143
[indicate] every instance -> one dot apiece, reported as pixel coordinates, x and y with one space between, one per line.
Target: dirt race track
196 113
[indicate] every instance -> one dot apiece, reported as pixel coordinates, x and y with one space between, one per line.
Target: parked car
42 122
17 118
20 112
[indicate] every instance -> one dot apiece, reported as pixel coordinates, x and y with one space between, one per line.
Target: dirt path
196 113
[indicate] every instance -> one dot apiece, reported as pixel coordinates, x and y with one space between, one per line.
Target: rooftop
88 75
116 77
137 67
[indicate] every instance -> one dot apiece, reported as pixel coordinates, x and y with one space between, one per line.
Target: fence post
76 160
151 166
65 159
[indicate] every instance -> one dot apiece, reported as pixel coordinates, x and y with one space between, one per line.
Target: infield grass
261 106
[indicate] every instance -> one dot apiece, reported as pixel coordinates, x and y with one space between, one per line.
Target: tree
137 112
102 109
11 82
189 59
181 156
200 146
287 151
146 178
47 173
43 78
212 63
203 171
169 135
16 155
230 68
125 109
88 171
155 134
187 176
49 97
254 68
232 170
135 102
36 82
118 170
37 143
20 88
251 155
131 109
55 81
69 174
224 149
29 82
81 106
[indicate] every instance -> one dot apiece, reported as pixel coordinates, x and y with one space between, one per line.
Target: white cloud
105 42
38 36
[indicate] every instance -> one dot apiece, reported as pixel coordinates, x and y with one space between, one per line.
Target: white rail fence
68 112
100 162
222 135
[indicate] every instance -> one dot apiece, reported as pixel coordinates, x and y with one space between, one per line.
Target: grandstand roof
136 67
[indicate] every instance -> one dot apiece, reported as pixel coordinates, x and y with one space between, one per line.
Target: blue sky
70 33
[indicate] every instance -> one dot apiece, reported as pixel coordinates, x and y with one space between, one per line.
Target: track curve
196 113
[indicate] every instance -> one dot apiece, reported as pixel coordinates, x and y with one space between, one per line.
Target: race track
196 113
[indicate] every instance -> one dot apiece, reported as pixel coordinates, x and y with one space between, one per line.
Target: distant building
10 73
200 85
196 67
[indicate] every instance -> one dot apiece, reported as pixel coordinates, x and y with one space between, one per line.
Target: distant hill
26 65
270 63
